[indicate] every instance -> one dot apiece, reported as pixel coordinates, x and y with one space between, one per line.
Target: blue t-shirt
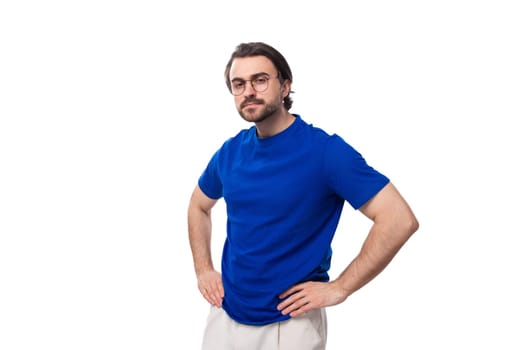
284 196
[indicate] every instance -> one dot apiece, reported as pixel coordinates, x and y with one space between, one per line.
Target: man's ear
286 86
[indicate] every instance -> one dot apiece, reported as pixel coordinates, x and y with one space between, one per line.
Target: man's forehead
246 67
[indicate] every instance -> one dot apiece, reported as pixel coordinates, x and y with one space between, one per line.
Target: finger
208 296
288 301
292 303
219 294
220 288
215 295
297 308
217 299
291 291
302 310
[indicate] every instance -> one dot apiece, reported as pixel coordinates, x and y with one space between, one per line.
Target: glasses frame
252 83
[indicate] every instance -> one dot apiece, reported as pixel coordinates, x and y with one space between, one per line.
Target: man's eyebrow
253 76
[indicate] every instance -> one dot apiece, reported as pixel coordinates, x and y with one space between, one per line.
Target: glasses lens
238 87
260 84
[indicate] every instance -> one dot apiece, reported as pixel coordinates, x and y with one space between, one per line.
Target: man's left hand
307 296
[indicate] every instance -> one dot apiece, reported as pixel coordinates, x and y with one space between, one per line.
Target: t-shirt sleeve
349 174
210 181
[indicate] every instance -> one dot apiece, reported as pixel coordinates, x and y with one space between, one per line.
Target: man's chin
254 114
252 117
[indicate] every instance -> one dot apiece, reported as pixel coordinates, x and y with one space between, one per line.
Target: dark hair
262 49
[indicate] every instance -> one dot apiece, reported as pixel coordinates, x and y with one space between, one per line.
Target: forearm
378 250
199 229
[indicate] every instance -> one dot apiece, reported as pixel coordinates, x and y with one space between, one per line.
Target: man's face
256 106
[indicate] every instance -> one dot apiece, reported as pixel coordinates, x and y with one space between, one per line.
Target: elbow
411 225
407 224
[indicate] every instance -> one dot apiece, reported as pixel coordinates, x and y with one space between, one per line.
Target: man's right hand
210 286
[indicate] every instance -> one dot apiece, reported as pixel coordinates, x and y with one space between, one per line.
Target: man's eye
260 80
237 84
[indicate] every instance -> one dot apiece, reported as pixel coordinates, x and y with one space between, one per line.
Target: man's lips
250 104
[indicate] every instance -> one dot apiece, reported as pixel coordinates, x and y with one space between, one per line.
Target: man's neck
275 124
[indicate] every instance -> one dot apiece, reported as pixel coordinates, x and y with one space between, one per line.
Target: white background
109 111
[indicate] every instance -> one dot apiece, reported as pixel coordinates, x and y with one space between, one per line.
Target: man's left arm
393 224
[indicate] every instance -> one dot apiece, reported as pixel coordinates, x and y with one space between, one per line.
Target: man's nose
249 90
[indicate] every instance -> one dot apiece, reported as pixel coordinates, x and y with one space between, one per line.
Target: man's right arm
199 230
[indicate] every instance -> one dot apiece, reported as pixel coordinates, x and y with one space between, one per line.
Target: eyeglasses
259 84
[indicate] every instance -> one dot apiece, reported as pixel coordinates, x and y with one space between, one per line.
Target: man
284 183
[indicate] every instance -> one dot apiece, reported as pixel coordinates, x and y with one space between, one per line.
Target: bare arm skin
393 224
199 229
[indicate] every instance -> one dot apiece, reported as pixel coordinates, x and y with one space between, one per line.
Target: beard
257 117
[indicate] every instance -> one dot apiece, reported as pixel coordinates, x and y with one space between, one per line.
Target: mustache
251 100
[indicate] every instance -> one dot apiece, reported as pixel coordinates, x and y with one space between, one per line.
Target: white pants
306 332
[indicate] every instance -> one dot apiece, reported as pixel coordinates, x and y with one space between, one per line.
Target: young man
284 183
